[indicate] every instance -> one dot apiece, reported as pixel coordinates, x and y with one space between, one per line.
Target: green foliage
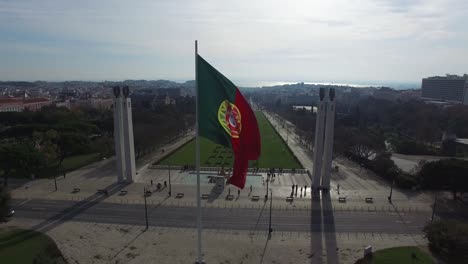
384 166
38 142
449 240
398 255
274 152
27 246
446 174
411 147
5 200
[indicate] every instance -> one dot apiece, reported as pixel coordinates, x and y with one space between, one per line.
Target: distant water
395 85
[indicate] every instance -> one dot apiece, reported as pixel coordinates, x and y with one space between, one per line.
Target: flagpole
197 161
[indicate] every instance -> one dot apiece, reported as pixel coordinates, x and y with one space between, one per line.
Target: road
55 212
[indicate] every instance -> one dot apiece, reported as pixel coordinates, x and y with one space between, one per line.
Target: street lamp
271 203
391 190
170 189
434 207
146 209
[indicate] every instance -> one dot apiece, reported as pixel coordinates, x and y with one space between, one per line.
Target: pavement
325 221
55 212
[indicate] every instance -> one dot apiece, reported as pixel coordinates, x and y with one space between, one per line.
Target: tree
449 240
11 156
68 144
446 174
361 145
5 199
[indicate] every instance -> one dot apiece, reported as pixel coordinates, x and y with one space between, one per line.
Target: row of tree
369 131
37 143
157 125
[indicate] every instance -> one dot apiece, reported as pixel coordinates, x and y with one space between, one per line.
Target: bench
290 199
179 195
342 199
369 200
104 191
205 196
230 197
76 190
123 192
255 198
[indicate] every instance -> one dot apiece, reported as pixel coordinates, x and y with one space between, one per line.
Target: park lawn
78 161
70 164
400 255
27 246
274 153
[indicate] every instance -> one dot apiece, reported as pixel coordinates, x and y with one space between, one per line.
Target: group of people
159 185
295 187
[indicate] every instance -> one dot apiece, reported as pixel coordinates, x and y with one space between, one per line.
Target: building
451 89
21 104
11 105
102 103
163 100
35 104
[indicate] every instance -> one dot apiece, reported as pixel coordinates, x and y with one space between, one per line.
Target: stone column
319 136
119 135
130 171
328 146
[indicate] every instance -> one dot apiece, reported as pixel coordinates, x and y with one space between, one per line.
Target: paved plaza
321 230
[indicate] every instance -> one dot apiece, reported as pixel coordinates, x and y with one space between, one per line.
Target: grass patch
68 164
71 163
275 153
26 246
75 162
400 255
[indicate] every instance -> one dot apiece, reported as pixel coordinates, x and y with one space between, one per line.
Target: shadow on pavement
329 230
215 193
258 221
316 230
265 248
66 214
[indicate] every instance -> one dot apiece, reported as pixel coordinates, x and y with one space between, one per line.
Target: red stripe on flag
247 146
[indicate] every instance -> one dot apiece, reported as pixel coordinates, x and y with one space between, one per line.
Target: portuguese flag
225 117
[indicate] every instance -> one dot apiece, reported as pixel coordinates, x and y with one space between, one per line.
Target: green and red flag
225 117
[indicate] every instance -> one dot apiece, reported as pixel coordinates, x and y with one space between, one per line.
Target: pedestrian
293 187
301 191
250 188
238 192
151 182
165 184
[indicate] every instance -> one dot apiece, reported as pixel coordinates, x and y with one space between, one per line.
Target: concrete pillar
318 146
328 145
130 171
119 135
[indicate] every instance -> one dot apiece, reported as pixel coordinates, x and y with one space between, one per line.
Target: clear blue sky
311 40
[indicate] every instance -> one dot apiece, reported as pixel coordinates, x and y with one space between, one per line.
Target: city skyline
372 41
